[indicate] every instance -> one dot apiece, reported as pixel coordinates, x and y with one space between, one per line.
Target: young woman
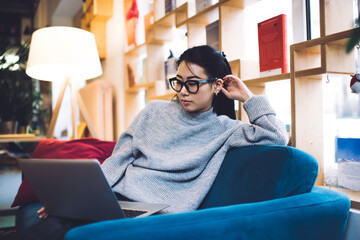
172 151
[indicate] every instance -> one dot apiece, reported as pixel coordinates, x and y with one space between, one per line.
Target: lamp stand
75 99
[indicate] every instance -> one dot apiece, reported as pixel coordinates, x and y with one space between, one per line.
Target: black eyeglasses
191 85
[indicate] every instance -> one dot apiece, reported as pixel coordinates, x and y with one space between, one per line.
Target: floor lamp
64 54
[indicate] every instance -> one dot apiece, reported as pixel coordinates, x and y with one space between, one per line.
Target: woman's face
195 102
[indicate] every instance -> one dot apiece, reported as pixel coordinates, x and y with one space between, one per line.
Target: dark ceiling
24 8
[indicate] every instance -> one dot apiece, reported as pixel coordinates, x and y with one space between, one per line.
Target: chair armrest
319 214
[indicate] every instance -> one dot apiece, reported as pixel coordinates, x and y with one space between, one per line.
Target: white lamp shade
60 52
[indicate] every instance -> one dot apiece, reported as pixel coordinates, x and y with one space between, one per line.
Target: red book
273 46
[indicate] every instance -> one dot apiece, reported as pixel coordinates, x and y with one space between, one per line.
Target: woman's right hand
42 213
235 89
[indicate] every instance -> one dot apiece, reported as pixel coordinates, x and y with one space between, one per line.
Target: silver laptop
78 189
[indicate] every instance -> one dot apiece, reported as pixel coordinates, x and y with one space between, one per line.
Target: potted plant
17 91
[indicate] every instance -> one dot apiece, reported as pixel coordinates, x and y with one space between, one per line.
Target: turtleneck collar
195 116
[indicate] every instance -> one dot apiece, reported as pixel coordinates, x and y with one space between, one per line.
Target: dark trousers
52 228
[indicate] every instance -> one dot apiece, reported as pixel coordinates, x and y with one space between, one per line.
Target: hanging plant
354 39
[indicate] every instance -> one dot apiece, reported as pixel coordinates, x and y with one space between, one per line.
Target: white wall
113 65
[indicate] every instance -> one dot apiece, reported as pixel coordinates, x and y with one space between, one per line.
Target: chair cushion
86 148
260 173
320 214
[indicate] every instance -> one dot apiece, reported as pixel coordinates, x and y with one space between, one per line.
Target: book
212 35
273 46
202 4
131 75
170 69
169 5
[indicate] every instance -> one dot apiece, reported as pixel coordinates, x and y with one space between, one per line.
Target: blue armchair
261 192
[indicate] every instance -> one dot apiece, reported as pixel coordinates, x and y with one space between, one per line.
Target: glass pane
279 96
341 123
315 18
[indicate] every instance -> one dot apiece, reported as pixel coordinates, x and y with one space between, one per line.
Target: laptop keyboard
132 213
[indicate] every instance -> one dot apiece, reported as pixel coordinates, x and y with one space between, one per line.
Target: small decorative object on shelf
355 83
202 4
132 16
170 70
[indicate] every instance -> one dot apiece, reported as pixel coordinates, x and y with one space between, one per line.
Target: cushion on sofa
319 214
86 148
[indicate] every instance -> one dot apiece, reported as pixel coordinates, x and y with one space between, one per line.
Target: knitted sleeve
264 128
122 155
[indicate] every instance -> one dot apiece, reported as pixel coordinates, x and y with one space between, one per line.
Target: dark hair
214 64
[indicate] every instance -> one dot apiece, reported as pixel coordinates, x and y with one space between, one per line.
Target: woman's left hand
235 89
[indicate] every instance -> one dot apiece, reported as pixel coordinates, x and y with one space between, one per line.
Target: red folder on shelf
273 46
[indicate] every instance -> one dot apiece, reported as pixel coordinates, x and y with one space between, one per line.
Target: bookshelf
309 61
95 15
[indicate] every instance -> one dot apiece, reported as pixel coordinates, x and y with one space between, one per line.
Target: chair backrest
260 173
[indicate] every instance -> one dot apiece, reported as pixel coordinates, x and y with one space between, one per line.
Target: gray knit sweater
171 156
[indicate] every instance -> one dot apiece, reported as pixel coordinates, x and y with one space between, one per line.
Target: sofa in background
261 192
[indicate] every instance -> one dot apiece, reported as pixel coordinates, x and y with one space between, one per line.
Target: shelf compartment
98 28
342 10
307 58
263 80
162 31
244 68
181 15
94 18
238 3
159 35
231 32
138 87
197 25
206 16
159 10
136 51
167 21
322 55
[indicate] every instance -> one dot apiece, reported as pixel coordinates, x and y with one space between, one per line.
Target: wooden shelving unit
310 61
95 15
4 138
